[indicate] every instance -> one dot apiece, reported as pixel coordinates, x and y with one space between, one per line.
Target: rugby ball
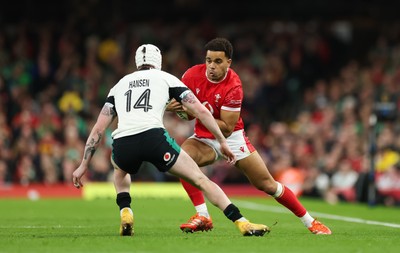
184 115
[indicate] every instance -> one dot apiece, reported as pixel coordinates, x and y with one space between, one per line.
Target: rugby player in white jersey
138 101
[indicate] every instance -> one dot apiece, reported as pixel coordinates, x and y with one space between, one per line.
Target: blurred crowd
321 115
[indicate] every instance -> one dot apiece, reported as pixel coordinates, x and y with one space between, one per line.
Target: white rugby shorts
238 142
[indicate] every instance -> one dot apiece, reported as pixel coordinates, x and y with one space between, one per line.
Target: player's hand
174 106
77 176
228 154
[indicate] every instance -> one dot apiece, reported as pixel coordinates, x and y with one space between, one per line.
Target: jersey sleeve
233 99
177 89
178 93
110 100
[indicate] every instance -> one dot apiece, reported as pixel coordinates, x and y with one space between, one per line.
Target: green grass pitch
77 225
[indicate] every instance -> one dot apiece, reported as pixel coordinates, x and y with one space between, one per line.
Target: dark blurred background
315 76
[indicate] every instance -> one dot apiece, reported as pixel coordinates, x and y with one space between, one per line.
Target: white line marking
35 227
276 209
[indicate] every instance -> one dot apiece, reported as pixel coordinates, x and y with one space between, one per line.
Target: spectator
342 186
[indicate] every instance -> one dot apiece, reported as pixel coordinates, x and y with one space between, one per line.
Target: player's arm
227 121
104 120
230 110
174 106
195 108
198 110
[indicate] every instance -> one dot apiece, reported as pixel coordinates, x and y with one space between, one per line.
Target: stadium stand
313 80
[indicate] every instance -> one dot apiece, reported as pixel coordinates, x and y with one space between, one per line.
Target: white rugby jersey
140 99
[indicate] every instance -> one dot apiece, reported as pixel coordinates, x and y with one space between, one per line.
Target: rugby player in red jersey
219 88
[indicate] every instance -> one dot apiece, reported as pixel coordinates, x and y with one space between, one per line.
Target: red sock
290 201
194 194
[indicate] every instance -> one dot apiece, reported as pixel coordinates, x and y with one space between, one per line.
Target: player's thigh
257 172
200 152
187 169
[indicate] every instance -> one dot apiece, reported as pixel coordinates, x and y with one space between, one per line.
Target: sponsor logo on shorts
167 156
171 160
242 149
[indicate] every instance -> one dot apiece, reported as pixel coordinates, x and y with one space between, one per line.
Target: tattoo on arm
108 111
91 146
189 98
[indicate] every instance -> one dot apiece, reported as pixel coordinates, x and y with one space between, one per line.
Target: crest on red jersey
217 97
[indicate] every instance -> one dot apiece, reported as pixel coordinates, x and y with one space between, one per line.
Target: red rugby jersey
225 95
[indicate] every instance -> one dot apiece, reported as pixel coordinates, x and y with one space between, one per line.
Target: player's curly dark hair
220 44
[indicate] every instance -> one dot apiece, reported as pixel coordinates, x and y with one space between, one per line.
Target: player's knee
266 185
192 152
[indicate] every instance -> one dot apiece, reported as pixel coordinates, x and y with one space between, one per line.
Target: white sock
130 210
242 219
307 219
202 210
279 190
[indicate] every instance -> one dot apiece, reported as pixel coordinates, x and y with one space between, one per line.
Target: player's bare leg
122 182
187 169
257 172
203 155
